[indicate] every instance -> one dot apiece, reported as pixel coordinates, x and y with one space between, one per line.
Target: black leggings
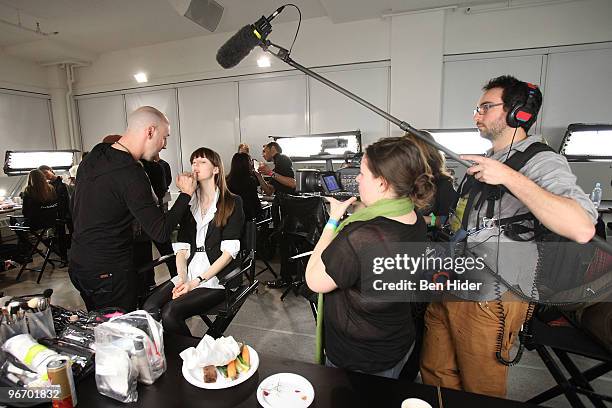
175 311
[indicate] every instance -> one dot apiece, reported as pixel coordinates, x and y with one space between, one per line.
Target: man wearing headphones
463 336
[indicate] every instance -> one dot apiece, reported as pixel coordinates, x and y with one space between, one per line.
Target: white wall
319 43
21 75
544 26
417 42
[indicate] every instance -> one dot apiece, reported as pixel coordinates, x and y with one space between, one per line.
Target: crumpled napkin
211 352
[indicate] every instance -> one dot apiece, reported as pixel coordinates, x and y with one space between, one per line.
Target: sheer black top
360 334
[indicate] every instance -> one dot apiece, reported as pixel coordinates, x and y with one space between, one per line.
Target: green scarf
387 207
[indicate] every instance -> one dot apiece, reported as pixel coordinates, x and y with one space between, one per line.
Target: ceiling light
264 62
141 77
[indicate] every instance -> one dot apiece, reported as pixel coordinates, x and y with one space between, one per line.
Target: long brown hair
434 158
402 164
227 200
38 188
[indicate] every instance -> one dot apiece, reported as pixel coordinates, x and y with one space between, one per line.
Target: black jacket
214 235
39 215
112 190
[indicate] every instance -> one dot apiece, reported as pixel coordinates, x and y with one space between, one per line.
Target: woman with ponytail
208 243
361 333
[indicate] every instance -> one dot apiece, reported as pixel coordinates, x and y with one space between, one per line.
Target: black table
333 387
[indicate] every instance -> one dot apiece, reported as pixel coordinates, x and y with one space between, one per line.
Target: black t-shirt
360 334
284 167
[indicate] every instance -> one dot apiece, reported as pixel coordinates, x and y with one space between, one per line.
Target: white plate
285 390
196 375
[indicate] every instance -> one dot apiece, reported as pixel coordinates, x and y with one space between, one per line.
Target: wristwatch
201 279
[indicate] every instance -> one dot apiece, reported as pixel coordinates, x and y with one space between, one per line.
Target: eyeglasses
484 108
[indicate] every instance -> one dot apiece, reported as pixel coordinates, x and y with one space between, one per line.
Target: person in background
435 215
113 191
281 181
242 181
208 243
244 148
445 197
282 177
158 171
64 215
361 333
40 207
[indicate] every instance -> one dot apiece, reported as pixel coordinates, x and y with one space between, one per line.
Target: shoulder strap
494 193
519 159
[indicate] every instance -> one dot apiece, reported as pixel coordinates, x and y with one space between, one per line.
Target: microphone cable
298 26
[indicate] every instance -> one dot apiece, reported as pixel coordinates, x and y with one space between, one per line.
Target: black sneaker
278 283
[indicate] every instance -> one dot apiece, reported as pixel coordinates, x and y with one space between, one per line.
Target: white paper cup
415 403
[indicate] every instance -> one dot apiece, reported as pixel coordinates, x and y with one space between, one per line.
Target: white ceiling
90 27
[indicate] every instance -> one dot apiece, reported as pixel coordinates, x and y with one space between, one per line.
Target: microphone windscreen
47 293
237 48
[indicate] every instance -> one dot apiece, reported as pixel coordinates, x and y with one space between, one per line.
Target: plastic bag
40 324
115 375
139 335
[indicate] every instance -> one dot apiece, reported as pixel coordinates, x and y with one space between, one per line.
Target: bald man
112 191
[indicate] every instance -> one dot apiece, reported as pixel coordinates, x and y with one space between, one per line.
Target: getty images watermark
417 272
423 266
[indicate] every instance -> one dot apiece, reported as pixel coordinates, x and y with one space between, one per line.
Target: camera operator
112 191
461 337
282 176
394 178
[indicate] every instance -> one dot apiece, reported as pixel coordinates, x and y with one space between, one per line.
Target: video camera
341 184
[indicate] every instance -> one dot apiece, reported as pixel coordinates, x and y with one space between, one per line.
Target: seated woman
208 242
40 202
241 180
40 206
360 334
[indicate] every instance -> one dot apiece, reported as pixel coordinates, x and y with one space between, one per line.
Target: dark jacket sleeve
235 223
139 200
186 232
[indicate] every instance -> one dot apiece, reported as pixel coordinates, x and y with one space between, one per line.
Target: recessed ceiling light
264 62
141 77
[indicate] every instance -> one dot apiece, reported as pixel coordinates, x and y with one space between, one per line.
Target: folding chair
262 224
236 289
43 234
302 219
566 342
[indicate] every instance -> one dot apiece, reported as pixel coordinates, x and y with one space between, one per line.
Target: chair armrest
156 262
302 255
237 272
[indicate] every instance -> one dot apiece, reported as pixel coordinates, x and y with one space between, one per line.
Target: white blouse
200 262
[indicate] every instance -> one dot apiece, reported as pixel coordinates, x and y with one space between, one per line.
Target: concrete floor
285 328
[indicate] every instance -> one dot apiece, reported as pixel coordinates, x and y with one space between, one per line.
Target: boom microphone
248 37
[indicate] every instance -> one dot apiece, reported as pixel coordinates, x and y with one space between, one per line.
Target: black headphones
525 114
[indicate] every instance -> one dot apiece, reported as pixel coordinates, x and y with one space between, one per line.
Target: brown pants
460 343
